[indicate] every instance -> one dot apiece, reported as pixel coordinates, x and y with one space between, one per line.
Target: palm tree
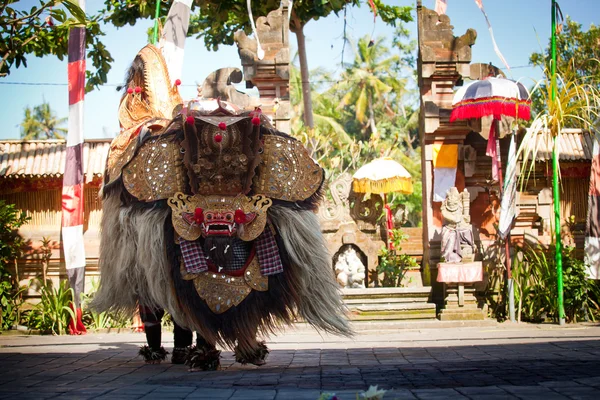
371 81
41 123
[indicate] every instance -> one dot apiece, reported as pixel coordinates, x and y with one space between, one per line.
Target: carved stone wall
444 59
271 74
347 220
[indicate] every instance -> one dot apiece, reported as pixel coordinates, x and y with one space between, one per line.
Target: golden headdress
158 98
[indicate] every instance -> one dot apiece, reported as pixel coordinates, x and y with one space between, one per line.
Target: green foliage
43 30
40 122
339 141
53 313
576 49
392 264
576 104
216 21
534 274
102 320
11 247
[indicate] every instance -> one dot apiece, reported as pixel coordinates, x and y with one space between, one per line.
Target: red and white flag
441 6
72 193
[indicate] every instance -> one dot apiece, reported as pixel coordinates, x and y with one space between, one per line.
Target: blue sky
520 27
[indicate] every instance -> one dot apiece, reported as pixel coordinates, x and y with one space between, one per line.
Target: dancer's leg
153 353
183 340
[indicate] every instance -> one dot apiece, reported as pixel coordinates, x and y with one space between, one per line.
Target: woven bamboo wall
44 208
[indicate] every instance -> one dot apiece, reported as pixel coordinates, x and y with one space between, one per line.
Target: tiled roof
46 158
574 145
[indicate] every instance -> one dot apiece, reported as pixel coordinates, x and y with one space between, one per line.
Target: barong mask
221 153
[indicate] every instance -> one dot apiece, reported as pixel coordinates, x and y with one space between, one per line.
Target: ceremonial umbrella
497 97
491 96
382 176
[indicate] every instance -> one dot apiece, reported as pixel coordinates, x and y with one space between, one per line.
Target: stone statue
349 269
457 236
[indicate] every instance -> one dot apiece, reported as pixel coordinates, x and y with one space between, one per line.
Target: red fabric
460 273
374 8
76 81
72 205
389 222
76 326
496 106
594 189
492 151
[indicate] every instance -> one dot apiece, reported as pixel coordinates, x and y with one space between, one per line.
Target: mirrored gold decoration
221 291
287 172
156 172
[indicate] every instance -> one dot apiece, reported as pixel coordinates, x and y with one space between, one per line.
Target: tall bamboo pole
156 14
555 187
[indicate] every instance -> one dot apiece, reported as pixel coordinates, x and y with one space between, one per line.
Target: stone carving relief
219 84
458 245
271 73
349 269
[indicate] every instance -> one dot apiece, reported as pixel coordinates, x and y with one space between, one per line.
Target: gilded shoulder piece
156 171
287 171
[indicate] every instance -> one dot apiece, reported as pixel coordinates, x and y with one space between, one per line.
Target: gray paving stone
435 394
297 394
515 362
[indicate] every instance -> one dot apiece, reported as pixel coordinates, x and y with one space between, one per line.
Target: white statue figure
349 269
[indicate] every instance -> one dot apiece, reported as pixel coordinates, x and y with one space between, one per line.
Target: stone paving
490 361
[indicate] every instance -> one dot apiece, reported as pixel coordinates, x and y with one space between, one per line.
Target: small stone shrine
458 269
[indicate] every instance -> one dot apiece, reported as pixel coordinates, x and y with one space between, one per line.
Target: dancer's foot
203 358
153 356
179 355
257 356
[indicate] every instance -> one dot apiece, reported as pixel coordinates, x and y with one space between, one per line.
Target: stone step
466 306
374 293
384 300
394 316
393 307
462 316
461 309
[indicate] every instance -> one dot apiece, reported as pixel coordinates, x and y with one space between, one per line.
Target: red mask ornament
222 126
240 217
198 216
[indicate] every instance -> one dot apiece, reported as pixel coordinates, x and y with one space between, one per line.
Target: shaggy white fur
133 262
321 302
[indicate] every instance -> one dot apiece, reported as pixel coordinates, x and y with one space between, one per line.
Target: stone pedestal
460 302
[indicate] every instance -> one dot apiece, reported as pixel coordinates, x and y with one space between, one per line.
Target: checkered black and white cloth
268 254
241 252
194 258
196 261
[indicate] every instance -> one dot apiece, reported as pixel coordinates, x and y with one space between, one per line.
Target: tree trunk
372 120
298 29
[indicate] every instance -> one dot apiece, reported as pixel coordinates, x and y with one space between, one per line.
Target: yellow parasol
382 176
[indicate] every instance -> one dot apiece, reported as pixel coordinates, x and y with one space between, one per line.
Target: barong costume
209 213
